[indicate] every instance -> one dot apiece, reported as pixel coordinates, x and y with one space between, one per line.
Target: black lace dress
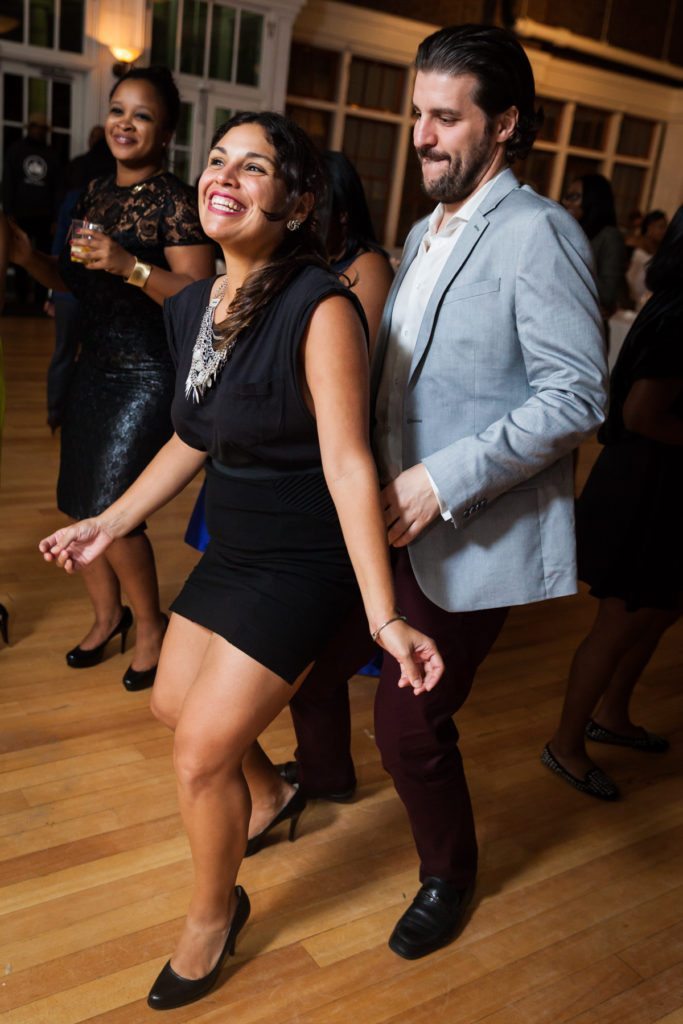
118 407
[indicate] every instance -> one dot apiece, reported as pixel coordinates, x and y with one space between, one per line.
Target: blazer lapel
471 236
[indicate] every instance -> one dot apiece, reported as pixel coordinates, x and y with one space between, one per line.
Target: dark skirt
115 422
275 579
628 520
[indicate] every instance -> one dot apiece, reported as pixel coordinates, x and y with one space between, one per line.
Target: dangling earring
293 224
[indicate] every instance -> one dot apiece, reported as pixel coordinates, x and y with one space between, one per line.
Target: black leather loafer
170 990
646 742
432 920
289 770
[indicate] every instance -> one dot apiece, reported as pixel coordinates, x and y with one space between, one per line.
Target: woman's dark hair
300 168
162 80
597 204
349 226
650 218
665 269
501 67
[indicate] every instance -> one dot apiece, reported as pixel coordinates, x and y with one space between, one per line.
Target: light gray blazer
507 378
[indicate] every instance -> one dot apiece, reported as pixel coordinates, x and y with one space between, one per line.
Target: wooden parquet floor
578 915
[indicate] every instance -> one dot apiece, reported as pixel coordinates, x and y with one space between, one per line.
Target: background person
591 201
117 412
272 385
652 230
31 181
629 533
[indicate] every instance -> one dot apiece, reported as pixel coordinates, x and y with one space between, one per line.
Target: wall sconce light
121 28
125 57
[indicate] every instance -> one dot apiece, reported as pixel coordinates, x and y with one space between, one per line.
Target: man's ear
506 124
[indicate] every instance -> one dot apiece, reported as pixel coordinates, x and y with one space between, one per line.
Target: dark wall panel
639 27
435 12
585 17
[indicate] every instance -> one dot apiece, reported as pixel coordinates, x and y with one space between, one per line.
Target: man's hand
409 504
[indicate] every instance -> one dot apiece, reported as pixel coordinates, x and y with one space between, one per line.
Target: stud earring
293 224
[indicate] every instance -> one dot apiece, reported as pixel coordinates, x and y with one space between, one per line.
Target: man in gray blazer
489 371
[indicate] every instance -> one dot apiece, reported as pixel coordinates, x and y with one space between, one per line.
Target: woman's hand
106 254
75 547
421 664
20 248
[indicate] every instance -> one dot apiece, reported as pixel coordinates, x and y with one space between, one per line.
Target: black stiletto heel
135 680
170 990
290 812
78 658
4 623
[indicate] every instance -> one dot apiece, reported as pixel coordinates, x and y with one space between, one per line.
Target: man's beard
461 177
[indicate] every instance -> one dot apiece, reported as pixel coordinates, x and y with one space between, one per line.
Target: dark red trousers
416 736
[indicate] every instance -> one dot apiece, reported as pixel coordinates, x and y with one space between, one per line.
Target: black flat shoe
594 783
432 920
289 770
78 658
170 990
647 742
4 623
142 680
290 812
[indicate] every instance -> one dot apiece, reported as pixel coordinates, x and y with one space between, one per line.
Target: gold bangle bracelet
139 274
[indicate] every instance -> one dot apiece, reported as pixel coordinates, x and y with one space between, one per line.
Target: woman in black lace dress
118 407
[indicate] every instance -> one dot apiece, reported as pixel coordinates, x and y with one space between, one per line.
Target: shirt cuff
445 512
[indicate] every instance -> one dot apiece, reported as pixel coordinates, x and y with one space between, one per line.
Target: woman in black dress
630 541
118 407
272 386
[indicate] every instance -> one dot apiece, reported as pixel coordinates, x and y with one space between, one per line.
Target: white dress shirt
409 307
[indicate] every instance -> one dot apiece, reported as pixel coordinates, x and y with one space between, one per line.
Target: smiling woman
118 407
272 394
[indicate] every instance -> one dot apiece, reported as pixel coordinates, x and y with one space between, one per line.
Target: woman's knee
200 761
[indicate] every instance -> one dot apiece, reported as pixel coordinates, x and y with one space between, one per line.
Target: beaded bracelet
396 618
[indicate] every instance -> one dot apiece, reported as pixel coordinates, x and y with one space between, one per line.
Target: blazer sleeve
558 327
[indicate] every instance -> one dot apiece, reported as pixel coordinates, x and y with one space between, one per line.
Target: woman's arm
648 409
168 473
188 263
371 276
37 264
336 371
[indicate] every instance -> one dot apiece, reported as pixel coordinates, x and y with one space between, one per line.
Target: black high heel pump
290 812
170 990
134 679
4 623
78 658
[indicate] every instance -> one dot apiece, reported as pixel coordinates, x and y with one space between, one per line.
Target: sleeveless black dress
118 408
276 577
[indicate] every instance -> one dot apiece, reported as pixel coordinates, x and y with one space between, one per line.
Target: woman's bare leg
102 585
269 791
226 706
613 710
132 559
615 634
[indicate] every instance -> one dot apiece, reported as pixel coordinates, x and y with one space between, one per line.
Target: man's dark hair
504 77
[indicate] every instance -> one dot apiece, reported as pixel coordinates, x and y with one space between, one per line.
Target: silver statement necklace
207 361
